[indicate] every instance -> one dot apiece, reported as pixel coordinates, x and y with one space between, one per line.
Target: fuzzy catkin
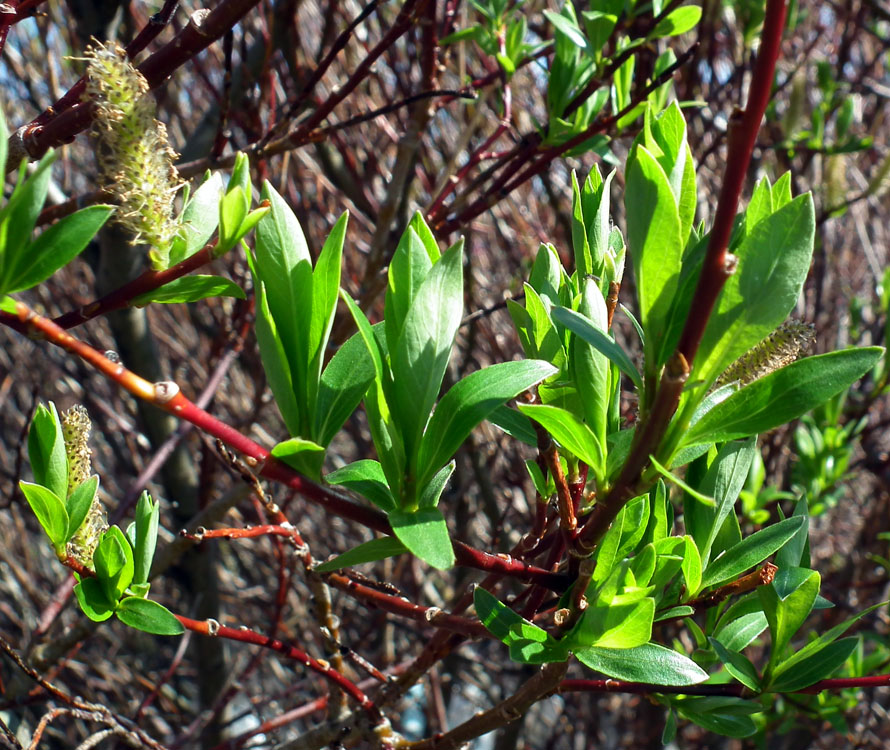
76 428
135 159
782 347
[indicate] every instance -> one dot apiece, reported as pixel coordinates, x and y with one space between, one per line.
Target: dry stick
718 266
167 396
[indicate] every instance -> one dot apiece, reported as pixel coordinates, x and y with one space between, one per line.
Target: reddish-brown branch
245 635
166 395
743 129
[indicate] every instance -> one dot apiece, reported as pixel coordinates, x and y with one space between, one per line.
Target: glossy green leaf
148 616
92 600
783 395
738 632
114 563
774 259
78 503
370 551
649 663
365 477
55 247
614 626
303 455
674 479
589 366
343 383
678 21
569 431
516 425
691 567
46 450
50 512
409 267
726 716
787 602
683 610
582 327
818 665
724 481
468 402
750 551
567 27
191 289
199 219
738 665
146 536
233 208
325 292
432 491
425 534
655 245
424 347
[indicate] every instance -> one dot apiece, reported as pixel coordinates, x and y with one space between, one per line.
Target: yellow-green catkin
135 159
782 347
76 433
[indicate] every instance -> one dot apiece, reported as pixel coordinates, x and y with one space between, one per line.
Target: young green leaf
750 551
146 536
818 665
303 455
365 477
114 563
148 616
371 551
431 492
425 534
424 346
726 716
343 383
570 432
410 265
649 663
199 220
678 21
615 626
468 402
787 602
738 665
738 632
50 512
191 289
55 247
783 395
92 600
46 450
77 505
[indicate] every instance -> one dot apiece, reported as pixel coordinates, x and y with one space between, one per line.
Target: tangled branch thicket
342 106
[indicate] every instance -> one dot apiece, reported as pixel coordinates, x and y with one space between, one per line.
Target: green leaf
678 21
50 512
46 450
528 643
691 567
750 551
78 504
233 208
816 646
325 292
467 403
614 626
783 395
146 536
774 259
738 633
691 491
569 28
582 327
726 716
199 219
343 383
424 347
787 602
649 663
589 366
410 265
114 563
19 216
55 247
365 477
569 431
303 455
191 289
738 665
516 425
92 600
148 616
819 665
653 238
371 551
425 534
724 481
432 491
